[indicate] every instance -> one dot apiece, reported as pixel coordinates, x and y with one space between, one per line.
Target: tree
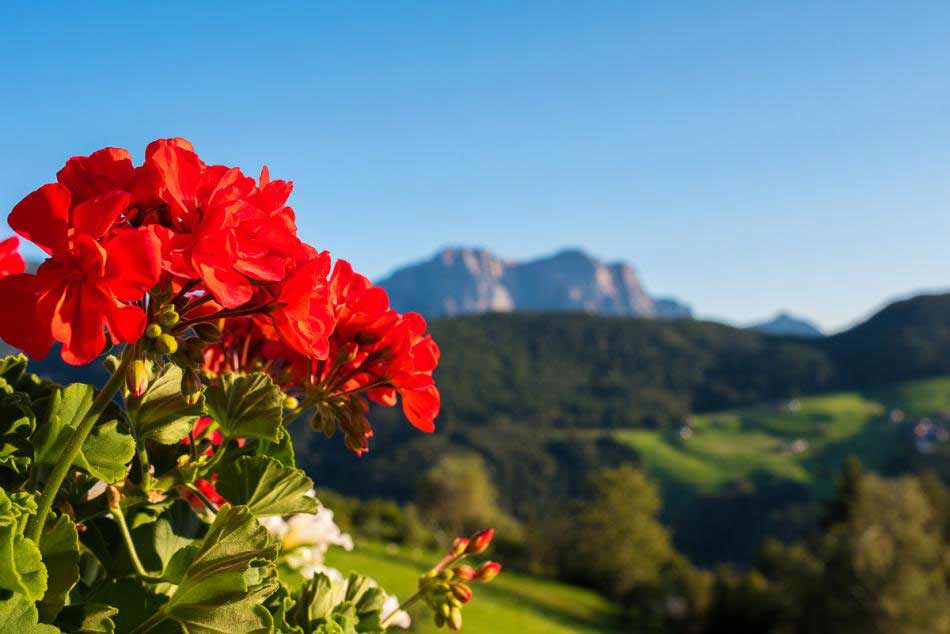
458 495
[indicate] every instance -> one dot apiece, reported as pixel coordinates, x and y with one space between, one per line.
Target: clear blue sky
744 157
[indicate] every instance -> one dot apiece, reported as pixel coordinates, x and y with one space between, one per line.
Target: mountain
464 281
788 325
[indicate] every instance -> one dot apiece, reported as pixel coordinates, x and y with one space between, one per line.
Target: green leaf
88 619
12 372
18 614
266 487
249 406
330 608
106 451
17 422
174 530
161 413
60 550
21 565
229 577
282 451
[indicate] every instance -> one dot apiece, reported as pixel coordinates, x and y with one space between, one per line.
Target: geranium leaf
282 451
17 422
249 406
21 565
227 579
161 413
266 487
106 450
12 372
60 550
327 607
18 614
88 619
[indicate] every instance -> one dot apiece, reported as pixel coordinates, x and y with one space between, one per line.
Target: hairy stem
74 446
130 545
402 608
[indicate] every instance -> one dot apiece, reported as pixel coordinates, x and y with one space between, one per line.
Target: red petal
21 323
95 216
103 171
10 260
229 288
421 407
43 217
134 263
78 323
126 322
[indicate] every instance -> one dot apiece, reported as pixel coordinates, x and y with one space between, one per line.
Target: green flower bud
166 344
191 387
168 318
291 403
455 619
136 377
153 331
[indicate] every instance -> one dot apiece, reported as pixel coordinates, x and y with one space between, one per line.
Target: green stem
130 545
74 446
153 620
402 608
146 482
201 496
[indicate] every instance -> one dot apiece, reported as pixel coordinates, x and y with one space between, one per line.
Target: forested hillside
536 393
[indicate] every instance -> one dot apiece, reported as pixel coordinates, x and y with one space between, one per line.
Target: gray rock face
460 281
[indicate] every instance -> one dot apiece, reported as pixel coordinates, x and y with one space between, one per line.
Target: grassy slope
743 443
512 604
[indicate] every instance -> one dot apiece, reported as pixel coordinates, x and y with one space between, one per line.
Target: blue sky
744 157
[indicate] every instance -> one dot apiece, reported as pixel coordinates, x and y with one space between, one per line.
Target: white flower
402 619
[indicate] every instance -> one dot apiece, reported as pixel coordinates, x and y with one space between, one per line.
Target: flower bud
465 572
480 541
459 546
462 592
455 619
166 344
446 610
439 619
136 377
191 387
488 571
208 333
153 331
168 317
291 403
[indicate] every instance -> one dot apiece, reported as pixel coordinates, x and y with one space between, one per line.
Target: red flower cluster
375 353
173 245
114 231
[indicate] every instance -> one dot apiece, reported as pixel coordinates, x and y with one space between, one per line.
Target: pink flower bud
465 572
136 378
462 592
480 541
488 571
459 546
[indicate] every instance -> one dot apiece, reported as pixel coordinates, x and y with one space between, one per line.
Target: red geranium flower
10 260
85 284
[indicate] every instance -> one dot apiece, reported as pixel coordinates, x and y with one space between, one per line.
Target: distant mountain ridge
788 325
465 281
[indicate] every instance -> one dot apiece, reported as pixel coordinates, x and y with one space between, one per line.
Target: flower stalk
74 446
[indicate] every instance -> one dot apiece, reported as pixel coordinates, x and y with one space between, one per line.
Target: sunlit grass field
755 441
511 604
